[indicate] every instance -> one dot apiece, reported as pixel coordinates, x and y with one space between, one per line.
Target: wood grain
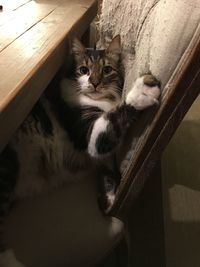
11 5
15 24
28 64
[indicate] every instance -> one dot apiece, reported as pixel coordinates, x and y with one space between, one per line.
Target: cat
82 126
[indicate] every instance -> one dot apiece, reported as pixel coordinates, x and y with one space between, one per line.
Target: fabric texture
154 33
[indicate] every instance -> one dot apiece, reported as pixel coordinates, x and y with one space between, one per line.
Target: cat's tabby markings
81 127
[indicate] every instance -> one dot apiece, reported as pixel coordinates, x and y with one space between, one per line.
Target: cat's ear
77 47
114 46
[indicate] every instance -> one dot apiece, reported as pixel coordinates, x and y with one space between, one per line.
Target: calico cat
81 127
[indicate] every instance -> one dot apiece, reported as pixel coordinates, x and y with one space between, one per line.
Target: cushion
154 33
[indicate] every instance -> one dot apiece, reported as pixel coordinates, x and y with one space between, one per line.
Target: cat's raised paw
145 92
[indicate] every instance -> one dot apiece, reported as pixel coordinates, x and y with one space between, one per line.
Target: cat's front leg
107 193
145 92
108 130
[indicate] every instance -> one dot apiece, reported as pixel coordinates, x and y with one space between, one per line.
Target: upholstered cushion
154 33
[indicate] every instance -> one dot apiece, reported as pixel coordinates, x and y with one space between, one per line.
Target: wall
181 192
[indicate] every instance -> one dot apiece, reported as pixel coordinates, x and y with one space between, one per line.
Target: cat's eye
84 70
107 70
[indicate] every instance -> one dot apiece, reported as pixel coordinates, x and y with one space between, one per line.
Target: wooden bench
33 45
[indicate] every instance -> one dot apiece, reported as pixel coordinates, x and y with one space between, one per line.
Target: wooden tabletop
33 45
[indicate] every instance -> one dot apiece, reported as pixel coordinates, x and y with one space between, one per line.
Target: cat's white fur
99 127
142 96
84 82
102 104
111 195
70 95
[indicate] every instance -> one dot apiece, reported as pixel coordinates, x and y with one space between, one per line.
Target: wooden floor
34 42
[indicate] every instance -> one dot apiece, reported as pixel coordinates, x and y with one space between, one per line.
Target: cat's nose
95 83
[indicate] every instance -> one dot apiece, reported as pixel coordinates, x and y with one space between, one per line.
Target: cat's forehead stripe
95 54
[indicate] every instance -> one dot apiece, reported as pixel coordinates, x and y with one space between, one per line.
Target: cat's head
98 72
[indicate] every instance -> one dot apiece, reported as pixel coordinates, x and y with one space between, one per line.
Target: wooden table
33 44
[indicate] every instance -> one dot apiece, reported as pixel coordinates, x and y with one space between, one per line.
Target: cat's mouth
95 95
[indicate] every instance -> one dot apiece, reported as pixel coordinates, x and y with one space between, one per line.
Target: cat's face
98 71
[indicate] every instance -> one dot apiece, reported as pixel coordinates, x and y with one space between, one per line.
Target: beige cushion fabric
159 31
62 228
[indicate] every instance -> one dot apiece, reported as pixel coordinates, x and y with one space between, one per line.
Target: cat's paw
106 202
8 259
145 92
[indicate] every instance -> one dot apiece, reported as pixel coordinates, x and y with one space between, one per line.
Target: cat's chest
103 105
72 98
